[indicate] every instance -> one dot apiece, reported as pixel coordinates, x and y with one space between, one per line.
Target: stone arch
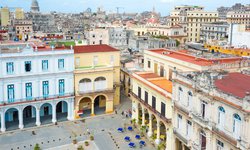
12 118
85 106
29 115
62 110
100 104
46 110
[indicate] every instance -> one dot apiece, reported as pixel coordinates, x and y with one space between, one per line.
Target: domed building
34 6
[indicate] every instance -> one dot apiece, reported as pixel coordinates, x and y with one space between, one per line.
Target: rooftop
195 58
161 82
236 84
94 48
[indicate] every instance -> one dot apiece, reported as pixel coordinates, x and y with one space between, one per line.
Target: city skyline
162 6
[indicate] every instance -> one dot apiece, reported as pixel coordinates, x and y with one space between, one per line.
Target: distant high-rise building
35 6
19 13
5 16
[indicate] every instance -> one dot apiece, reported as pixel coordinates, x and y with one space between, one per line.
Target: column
150 126
158 140
3 129
92 109
38 122
54 113
20 118
70 110
143 117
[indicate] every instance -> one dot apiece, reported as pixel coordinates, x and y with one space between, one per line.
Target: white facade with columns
32 77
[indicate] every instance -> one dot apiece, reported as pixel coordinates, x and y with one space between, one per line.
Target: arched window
180 94
100 83
237 125
221 116
190 98
85 85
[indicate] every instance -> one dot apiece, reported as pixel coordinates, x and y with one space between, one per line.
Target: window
203 109
11 93
112 59
28 88
149 64
189 129
95 61
139 92
180 94
45 65
237 126
45 89
61 87
179 119
77 62
220 145
146 97
153 102
60 64
27 66
190 98
163 109
221 116
10 67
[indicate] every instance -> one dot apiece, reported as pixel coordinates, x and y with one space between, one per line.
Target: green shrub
37 147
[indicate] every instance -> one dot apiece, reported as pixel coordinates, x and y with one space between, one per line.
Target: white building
36 86
239 35
211 110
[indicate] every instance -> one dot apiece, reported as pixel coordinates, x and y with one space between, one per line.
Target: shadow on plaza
31 122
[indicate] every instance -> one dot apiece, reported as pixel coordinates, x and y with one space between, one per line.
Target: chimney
71 47
36 48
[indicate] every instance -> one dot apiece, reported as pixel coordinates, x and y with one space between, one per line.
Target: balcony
182 108
204 122
179 135
106 90
151 109
36 99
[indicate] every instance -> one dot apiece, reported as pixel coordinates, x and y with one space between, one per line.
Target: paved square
104 129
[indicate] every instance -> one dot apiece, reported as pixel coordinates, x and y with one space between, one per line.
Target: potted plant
37 147
161 146
143 130
91 137
133 121
74 138
80 147
86 143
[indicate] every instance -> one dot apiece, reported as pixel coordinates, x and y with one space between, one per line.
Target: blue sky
163 6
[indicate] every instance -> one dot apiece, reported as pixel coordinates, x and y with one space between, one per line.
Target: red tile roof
94 48
182 55
161 82
236 84
48 48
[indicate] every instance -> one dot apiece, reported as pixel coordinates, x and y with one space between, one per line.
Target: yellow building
238 17
151 107
19 13
5 16
152 89
228 50
97 79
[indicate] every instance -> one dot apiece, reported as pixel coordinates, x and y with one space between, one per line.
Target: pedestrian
115 111
122 113
88 131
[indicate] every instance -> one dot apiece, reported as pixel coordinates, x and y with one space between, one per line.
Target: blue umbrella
130 128
120 130
131 145
142 143
127 138
137 136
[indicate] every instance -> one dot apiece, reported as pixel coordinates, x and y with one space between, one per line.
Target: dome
34 6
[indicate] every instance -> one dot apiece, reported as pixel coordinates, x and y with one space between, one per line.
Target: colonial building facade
211 110
36 86
97 79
